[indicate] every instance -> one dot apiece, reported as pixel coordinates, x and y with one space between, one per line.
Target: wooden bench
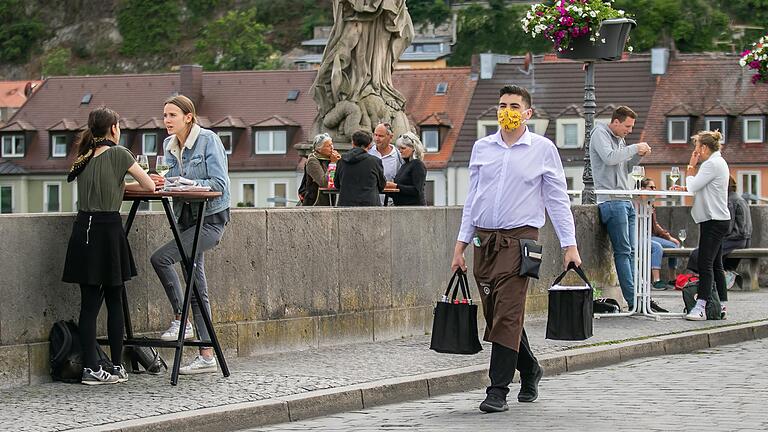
749 266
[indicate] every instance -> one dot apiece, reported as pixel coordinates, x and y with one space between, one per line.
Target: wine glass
143 162
638 173
161 166
682 235
674 175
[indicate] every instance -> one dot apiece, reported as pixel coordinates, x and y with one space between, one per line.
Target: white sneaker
199 366
730 279
723 312
172 333
91 377
697 314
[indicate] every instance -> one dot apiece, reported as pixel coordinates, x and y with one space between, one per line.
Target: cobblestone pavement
720 389
57 406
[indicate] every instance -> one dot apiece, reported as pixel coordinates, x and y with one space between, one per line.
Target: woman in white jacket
710 212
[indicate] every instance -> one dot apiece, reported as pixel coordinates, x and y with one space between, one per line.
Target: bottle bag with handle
570 309
149 359
454 329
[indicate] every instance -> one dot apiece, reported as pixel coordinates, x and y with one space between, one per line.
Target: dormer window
717 124
13 146
59 145
271 141
678 130
430 136
754 129
570 132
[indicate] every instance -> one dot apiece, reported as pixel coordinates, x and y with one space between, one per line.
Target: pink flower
755 78
754 64
746 52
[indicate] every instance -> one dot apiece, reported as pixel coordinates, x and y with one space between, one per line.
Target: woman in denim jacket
196 154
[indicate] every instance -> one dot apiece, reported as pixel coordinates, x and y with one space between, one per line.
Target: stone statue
353 88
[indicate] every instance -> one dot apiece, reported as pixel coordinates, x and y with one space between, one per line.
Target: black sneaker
494 403
91 377
120 373
529 386
656 308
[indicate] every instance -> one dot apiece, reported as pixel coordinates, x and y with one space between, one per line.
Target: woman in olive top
412 176
98 256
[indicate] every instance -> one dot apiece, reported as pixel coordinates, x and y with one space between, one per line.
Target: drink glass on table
143 162
674 175
638 173
161 166
682 235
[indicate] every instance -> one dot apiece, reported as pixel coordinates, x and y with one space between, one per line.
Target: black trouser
91 298
505 360
711 235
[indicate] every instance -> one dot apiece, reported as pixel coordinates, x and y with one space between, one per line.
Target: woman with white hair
316 171
412 176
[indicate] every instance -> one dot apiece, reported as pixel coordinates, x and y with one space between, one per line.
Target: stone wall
282 279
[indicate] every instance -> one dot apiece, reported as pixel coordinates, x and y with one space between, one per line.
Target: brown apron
502 289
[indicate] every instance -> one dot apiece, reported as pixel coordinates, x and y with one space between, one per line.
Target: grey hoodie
612 161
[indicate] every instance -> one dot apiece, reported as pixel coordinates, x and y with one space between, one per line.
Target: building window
226 139
6 199
429 192
52 197
247 195
13 146
538 126
570 133
271 142
677 130
149 144
753 130
486 128
279 194
431 139
716 124
749 183
58 145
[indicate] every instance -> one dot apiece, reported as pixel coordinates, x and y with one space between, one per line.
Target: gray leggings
164 259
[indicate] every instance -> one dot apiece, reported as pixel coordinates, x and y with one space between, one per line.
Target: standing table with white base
642 200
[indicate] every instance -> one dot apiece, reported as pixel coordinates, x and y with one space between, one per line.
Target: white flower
602 40
742 63
597 34
621 13
592 38
630 48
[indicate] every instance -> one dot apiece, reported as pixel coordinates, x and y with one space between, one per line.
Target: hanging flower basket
581 29
756 59
608 45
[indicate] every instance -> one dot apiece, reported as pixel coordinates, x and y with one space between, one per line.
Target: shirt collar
194 131
524 139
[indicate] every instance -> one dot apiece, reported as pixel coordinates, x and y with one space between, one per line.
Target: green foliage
478 32
433 11
693 25
148 26
236 42
56 62
19 33
292 20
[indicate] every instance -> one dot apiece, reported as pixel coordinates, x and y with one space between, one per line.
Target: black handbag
570 309
530 258
454 329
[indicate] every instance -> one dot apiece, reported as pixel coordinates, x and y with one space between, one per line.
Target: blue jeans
657 243
619 219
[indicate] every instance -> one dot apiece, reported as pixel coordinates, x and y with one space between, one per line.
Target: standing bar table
189 268
642 200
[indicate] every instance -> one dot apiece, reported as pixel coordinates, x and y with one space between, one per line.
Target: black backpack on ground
713 308
66 353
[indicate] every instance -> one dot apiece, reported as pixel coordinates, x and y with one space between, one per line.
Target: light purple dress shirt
510 186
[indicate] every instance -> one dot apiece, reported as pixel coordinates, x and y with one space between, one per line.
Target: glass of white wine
143 162
161 166
682 235
638 173
674 175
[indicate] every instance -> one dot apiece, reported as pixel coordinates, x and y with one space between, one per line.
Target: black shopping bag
454 329
570 309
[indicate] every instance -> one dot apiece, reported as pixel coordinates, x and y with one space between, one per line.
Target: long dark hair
100 122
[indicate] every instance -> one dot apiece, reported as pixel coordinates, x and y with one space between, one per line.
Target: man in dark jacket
359 175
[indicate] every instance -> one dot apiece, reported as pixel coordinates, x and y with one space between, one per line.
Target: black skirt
98 251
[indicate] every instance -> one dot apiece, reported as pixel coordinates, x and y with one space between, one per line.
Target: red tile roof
712 85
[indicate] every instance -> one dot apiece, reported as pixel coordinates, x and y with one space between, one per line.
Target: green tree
236 42
433 11
292 21
692 25
149 26
19 33
56 62
494 29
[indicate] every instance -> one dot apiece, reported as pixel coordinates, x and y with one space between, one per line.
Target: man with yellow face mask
514 175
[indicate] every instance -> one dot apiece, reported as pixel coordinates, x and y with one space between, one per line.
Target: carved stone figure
353 88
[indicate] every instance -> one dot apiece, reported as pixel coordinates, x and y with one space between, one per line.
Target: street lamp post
590 105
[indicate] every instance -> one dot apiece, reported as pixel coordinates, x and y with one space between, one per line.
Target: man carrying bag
514 175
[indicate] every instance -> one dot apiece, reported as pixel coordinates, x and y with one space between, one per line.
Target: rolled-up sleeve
556 200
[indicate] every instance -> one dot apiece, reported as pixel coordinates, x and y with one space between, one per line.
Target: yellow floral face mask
509 119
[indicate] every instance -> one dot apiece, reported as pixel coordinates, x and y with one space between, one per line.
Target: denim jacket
204 160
